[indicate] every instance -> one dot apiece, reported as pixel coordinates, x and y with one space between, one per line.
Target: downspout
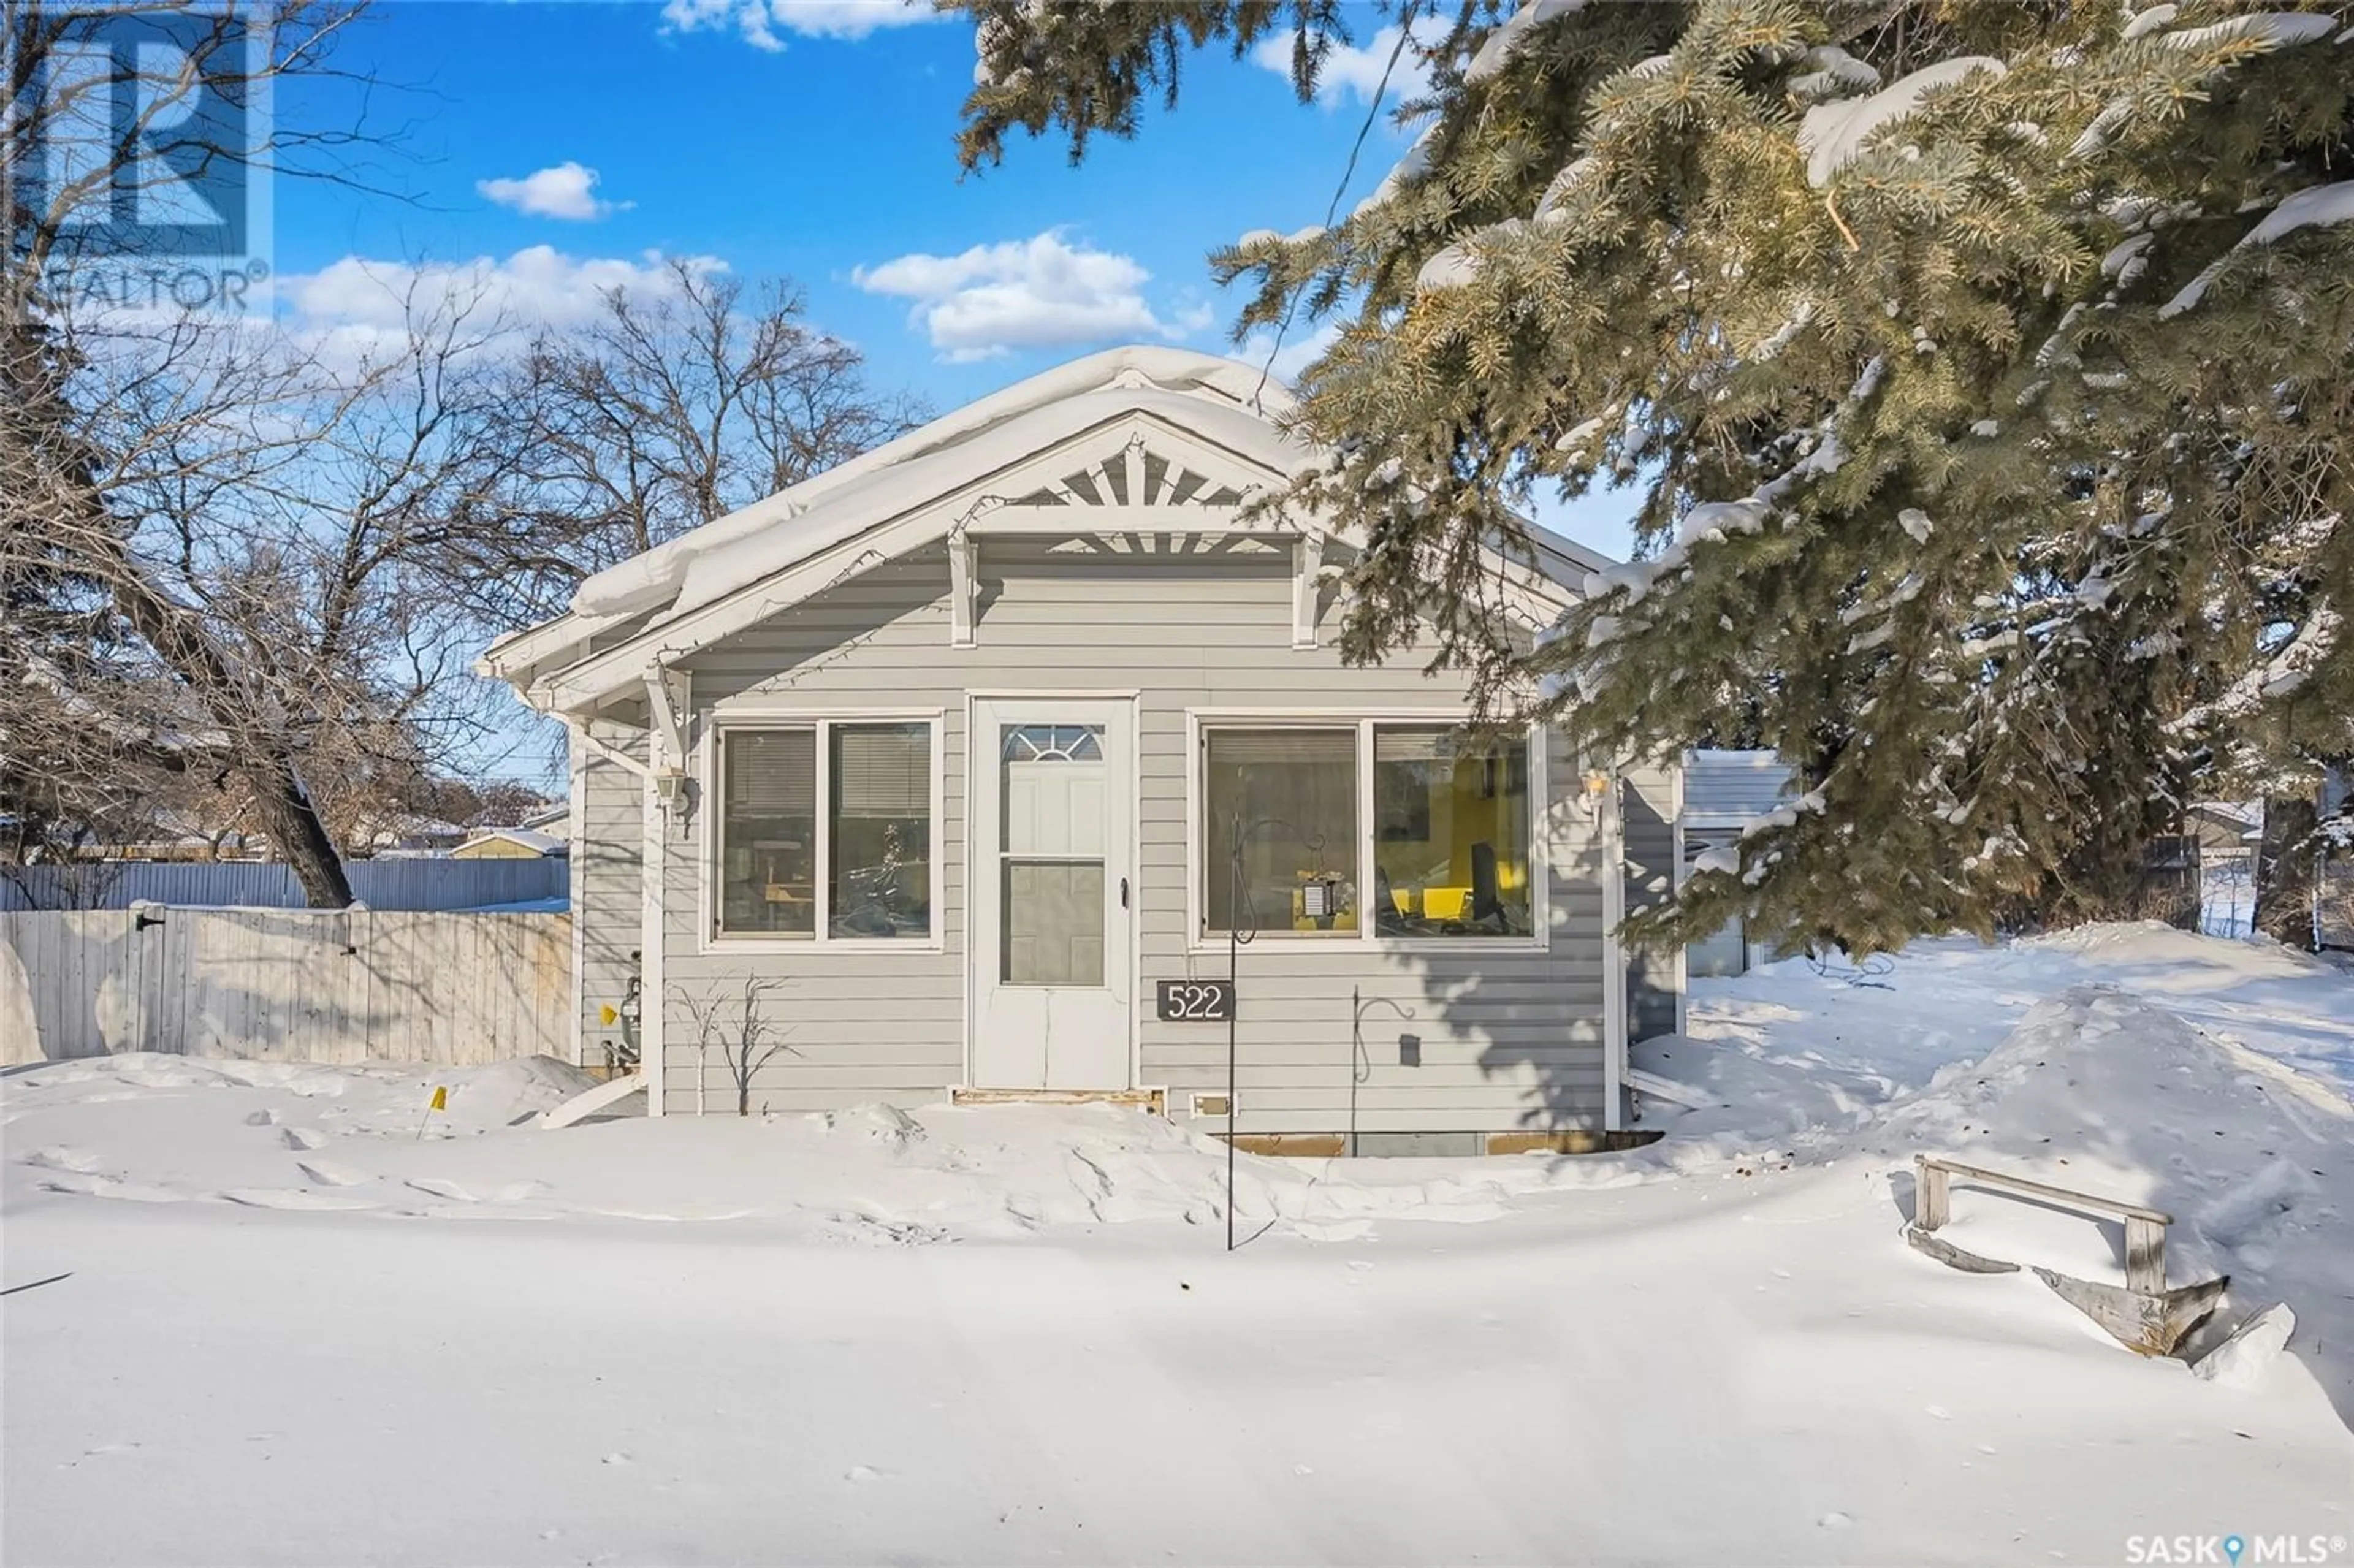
1675 886
1612 830
576 876
652 994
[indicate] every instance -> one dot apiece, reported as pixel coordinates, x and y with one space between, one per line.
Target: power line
1372 111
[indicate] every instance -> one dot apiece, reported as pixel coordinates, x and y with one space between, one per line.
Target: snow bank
869 1173
2204 1077
251 1300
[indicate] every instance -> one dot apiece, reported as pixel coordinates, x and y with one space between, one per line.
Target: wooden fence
297 985
418 882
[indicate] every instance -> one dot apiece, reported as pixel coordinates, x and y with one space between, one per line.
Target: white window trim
1362 720
743 715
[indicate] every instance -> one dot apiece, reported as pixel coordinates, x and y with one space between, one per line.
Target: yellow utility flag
607 1016
440 1099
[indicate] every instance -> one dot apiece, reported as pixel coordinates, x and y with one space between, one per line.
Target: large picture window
1290 795
841 851
1443 849
1451 845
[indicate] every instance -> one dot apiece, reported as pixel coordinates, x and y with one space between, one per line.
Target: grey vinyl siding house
949 750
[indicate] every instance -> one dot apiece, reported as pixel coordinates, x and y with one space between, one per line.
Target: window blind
1397 745
769 772
1260 747
882 770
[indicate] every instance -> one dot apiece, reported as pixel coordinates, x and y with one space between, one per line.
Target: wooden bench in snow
2144 1228
2145 1315
589 1102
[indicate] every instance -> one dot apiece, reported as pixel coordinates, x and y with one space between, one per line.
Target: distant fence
419 882
286 985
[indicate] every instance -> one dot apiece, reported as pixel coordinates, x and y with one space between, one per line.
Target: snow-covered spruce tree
1987 372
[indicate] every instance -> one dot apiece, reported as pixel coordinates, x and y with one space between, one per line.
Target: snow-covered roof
555 816
392 829
531 839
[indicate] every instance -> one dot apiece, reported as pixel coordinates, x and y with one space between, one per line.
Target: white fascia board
513 657
520 658
584 685
649 580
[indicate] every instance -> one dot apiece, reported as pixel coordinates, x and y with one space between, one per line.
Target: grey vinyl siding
1647 810
609 883
1734 783
1512 1037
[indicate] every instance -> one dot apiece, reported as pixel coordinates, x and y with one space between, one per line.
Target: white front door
1051 896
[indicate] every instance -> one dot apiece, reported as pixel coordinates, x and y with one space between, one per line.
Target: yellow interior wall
1458 812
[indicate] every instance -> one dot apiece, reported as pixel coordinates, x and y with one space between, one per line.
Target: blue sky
555 149
813 139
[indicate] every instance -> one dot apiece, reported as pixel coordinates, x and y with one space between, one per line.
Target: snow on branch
2278 676
1497 49
2316 206
1832 134
2272 29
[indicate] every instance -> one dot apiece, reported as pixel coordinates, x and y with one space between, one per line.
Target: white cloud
759 21
1352 72
564 190
350 308
1041 293
1300 349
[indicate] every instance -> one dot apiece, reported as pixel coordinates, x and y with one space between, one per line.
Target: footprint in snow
262 1119
292 1198
302 1138
862 1473
90 1186
63 1157
327 1173
616 1459
1834 1520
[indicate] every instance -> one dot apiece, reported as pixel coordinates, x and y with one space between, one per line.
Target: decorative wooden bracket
667 700
1307 571
964 588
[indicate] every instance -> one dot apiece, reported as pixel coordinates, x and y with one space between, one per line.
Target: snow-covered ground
292 1330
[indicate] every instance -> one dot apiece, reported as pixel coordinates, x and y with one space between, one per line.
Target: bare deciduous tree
144 678
734 1022
245 562
680 404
